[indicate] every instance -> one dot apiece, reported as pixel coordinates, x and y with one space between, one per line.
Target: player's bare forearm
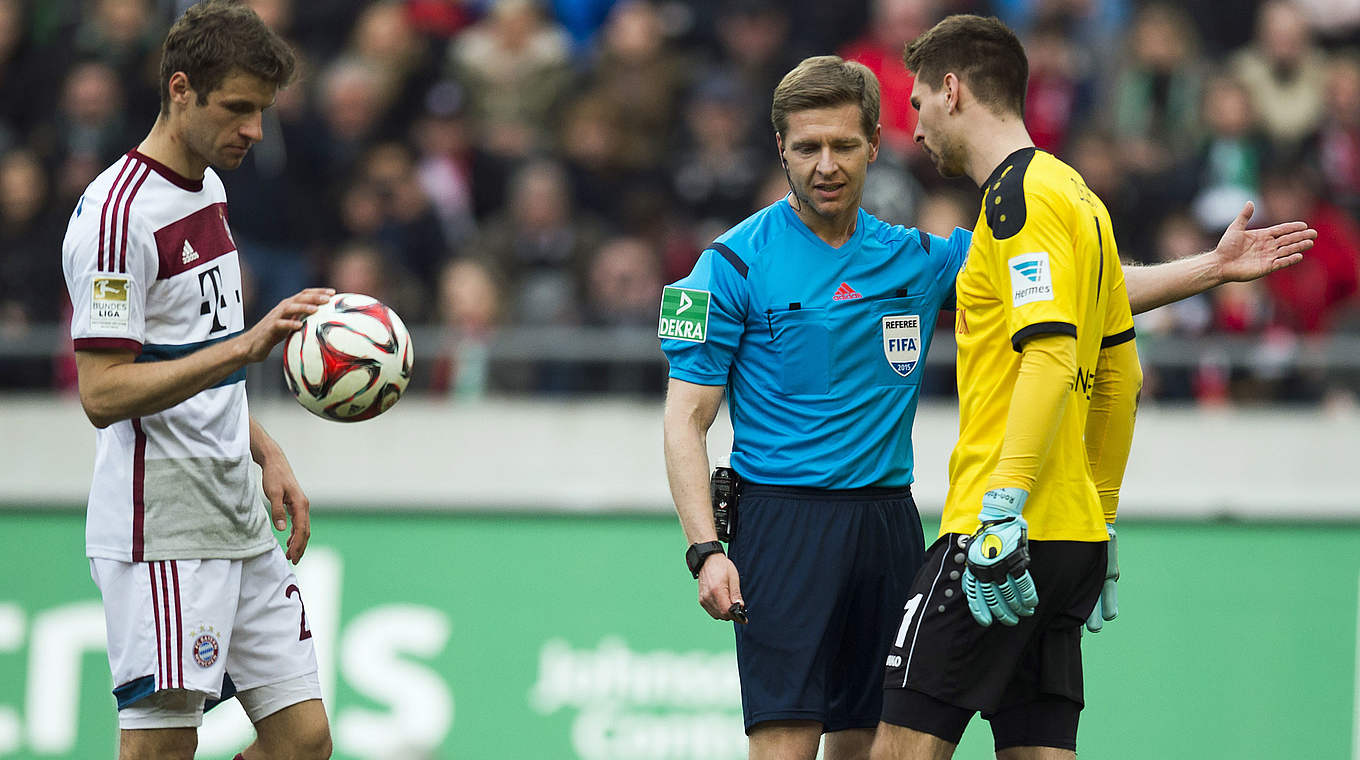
281 488
262 445
278 473
115 387
1160 284
1241 255
690 411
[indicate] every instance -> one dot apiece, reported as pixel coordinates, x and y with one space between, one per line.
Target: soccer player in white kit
199 599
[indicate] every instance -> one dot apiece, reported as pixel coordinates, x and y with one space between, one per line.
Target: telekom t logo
217 302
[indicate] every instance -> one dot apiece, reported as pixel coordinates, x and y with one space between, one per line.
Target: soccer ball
350 361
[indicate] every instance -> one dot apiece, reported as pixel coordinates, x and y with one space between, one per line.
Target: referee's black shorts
822 573
943 666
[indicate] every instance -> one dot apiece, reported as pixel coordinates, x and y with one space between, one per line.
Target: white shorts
179 629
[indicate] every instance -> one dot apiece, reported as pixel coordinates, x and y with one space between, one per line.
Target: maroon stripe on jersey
127 210
169 636
138 485
113 217
179 625
121 344
104 211
174 177
197 238
156 611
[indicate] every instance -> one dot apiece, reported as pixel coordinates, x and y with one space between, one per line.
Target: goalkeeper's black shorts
941 651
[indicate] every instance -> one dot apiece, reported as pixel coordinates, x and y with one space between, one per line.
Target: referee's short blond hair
826 81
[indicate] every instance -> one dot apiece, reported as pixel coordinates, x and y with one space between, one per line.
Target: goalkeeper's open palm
1244 254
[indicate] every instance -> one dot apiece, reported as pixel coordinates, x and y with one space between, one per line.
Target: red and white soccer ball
350 361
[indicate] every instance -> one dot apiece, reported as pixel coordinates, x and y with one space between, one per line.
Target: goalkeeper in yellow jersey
1048 381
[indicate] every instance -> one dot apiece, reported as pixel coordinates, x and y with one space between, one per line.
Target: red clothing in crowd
1048 109
894 81
1307 295
1339 153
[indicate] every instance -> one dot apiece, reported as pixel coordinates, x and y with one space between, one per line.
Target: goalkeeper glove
1107 607
996 581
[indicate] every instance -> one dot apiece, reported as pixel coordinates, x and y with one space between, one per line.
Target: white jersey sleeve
109 267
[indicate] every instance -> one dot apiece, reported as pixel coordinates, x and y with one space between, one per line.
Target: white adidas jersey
152 268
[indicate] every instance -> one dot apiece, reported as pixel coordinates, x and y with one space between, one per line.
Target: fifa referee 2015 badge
684 314
902 342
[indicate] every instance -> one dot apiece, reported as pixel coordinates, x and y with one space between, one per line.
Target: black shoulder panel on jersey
1005 195
925 239
732 258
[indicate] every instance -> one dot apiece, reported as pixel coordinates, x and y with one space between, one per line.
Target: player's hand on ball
1107 607
719 587
283 319
996 582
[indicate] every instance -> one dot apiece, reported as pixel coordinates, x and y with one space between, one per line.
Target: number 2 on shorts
303 633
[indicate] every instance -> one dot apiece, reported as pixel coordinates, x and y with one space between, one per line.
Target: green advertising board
578 637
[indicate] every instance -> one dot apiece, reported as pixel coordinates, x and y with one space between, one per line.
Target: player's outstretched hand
282 320
1107 607
996 582
719 587
286 499
1244 254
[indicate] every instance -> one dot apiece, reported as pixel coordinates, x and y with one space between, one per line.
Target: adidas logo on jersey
845 293
188 254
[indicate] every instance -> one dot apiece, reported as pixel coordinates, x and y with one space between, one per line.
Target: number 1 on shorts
912 604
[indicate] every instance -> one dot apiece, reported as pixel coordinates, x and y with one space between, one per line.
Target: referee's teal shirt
822 349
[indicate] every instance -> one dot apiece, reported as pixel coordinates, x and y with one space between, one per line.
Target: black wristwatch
697 553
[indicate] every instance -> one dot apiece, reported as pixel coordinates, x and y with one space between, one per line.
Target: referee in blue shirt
814 318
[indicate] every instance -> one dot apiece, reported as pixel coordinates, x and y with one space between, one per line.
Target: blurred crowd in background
484 165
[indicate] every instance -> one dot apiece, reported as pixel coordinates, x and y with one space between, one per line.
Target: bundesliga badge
902 342
109 306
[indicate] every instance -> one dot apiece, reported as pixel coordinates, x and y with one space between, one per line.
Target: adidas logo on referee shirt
845 293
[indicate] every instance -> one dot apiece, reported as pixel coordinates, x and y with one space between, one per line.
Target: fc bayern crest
205 650
902 342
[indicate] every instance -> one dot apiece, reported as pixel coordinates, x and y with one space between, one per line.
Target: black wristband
696 554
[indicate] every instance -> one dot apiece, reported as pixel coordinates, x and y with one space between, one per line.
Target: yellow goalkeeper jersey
1043 261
